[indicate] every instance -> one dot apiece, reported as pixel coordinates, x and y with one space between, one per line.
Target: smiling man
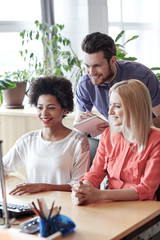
103 71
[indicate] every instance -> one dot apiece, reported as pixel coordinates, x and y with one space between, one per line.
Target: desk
112 220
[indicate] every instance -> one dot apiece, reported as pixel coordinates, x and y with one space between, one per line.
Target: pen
35 210
40 207
50 212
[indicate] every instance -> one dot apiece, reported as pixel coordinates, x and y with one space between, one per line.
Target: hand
86 115
27 188
102 126
84 192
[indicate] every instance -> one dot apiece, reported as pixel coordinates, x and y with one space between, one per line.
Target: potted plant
5 84
13 88
58 56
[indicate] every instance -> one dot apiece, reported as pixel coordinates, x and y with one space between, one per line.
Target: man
103 70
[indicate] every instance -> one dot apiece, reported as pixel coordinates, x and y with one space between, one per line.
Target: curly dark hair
57 86
96 42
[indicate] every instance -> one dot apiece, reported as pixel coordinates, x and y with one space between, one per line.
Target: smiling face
116 112
49 110
98 68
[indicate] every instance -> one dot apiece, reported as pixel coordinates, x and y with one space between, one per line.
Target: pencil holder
58 223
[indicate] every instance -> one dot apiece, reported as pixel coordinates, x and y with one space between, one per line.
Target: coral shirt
125 167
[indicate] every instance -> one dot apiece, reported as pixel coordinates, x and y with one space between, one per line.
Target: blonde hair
137 107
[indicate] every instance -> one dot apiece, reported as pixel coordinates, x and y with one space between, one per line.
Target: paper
89 125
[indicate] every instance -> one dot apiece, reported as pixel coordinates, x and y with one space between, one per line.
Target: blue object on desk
58 223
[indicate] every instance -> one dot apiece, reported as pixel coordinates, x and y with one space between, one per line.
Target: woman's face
115 109
49 110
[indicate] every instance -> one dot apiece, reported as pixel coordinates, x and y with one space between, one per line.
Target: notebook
88 125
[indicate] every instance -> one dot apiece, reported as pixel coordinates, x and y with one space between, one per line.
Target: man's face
98 68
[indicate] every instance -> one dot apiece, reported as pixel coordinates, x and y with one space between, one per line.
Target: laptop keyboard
17 210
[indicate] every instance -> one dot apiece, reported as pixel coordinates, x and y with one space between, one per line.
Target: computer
10 210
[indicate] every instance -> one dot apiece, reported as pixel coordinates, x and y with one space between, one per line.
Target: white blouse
60 162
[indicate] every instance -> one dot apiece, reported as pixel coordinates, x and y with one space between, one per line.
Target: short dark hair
57 86
96 42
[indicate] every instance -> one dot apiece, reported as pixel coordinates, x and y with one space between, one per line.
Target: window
14 17
137 17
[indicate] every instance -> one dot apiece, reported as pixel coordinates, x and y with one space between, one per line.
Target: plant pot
14 97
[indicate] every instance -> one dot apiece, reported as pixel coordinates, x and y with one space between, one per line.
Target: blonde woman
128 152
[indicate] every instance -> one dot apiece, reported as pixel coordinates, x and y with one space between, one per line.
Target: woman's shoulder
154 133
78 135
154 137
110 137
79 141
106 132
31 134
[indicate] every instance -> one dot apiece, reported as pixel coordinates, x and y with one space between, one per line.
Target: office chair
93 144
158 193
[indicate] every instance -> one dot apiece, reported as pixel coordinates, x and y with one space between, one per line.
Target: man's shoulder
131 69
85 83
85 79
132 64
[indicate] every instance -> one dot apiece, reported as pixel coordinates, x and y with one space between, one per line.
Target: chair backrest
158 193
93 144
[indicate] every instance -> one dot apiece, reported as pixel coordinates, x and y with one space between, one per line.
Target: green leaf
37 35
155 68
31 55
30 35
55 29
43 39
37 23
130 58
119 45
132 38
22 34
1 97
21 53
119 36
6 84
158 76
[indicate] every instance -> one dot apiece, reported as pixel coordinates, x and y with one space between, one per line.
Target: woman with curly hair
55 157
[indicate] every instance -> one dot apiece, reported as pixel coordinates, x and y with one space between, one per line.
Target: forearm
39 187
86 192
128 194
78 116
55 187
156 122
